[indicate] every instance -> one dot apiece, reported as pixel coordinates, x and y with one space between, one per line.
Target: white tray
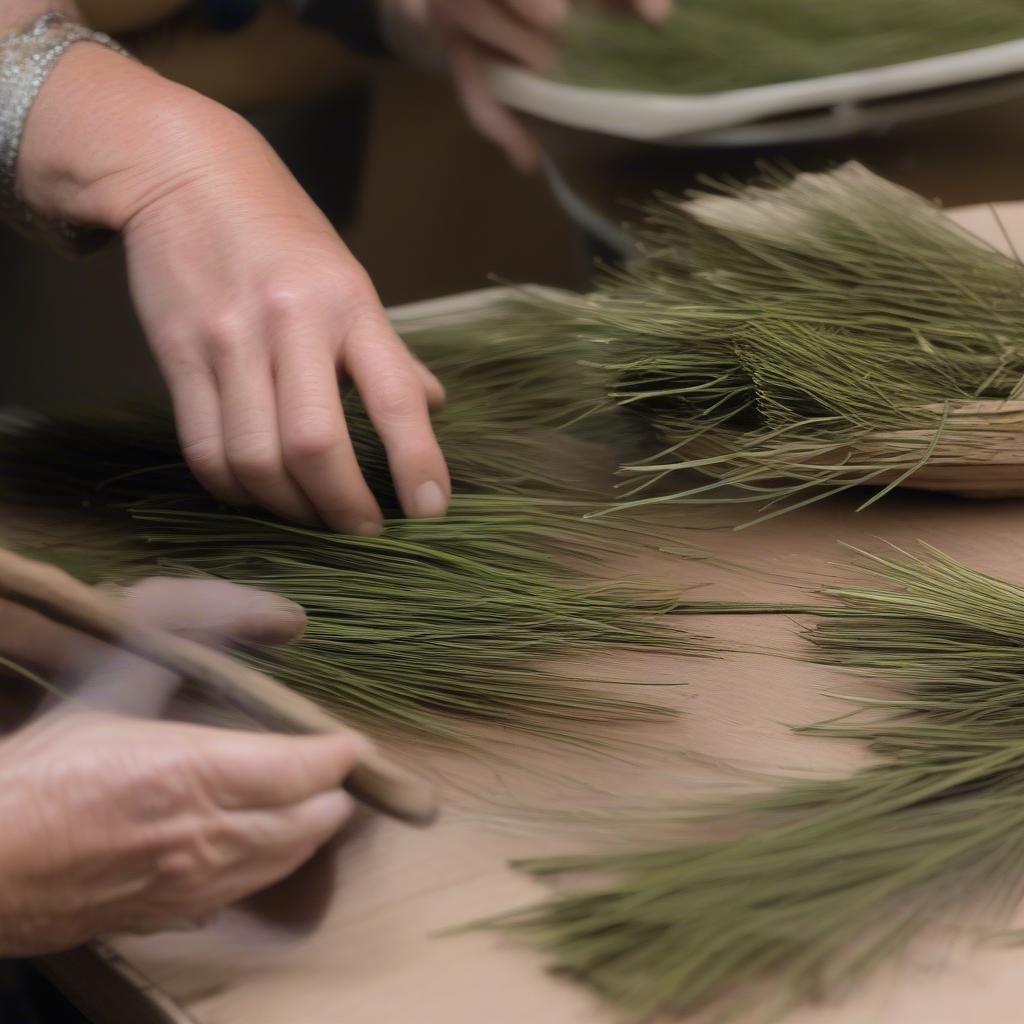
666 118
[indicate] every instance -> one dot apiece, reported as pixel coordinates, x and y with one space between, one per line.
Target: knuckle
158 795
204 456
186 866
311 436
421 456
283 299
397 400
225 331
254 456
159 784
193 848
174 342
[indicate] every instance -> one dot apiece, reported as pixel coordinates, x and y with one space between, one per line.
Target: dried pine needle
527 415
801 336
818 884
433 625
714 45
772 344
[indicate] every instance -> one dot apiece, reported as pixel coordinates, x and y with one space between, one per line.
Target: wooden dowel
375 780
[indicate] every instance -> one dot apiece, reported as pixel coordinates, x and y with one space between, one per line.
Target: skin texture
128 824
253 306
527 32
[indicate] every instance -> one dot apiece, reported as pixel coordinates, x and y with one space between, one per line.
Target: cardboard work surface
352 938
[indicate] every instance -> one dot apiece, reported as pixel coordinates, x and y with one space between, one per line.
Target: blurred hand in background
527 32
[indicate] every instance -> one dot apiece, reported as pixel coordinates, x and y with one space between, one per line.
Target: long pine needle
715 45
819 883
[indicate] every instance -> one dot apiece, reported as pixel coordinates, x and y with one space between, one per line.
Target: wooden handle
376 781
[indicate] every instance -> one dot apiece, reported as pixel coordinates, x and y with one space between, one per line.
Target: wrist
106 136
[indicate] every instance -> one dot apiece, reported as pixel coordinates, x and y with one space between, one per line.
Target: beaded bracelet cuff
26 60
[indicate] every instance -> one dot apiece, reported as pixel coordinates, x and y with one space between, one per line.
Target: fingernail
430 501
369 528
287 607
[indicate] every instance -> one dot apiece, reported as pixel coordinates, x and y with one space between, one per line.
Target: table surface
353 937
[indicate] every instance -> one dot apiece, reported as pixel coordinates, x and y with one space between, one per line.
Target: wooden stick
50 591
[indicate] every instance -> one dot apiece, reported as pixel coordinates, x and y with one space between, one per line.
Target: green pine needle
775 343
715 45
801 336
820 883
437 623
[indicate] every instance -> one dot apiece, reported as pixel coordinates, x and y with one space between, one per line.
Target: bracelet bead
27 58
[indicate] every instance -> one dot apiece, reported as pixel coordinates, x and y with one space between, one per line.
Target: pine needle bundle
526 415
749 908
803 335
714 45
433 625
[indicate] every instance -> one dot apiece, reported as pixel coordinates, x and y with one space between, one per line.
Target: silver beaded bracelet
26 60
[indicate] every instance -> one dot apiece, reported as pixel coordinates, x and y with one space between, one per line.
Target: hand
251 302
210 611
528 32
117 824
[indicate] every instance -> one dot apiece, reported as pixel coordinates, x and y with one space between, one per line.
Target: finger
505 34
548 16
316 441
436 395
297 831
490 118
271 845
392 391
200 433
29 638
260 771
103 679
116 682
215 610
252 438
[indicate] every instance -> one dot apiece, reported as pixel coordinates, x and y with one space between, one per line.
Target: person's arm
252 304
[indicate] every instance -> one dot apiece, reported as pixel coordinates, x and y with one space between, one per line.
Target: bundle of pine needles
782 341
803 335
818 884
437 622
526 414
715 45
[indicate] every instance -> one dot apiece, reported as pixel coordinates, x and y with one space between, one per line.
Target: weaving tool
51 592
